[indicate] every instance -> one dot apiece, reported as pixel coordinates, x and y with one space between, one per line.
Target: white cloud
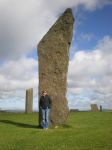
90 76
86 37
22 25
19 69
16 76
24 22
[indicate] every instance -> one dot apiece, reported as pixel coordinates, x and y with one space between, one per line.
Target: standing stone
53 52
94 107
29 100
101 108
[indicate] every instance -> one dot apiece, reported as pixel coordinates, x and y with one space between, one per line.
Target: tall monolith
29 101
53 56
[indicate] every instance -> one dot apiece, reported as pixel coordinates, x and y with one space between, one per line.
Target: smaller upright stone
94 108
101 108
29 101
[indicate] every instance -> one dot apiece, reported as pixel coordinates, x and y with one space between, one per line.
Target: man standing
45 106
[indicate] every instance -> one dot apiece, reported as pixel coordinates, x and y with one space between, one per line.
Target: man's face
44 93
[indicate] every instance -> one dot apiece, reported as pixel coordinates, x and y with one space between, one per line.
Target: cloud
89 77
86 37
23 23
16 76
58 5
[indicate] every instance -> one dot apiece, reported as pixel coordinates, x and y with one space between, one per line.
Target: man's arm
50 102
40 102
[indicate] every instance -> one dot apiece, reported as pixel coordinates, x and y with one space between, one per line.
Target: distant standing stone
53 52
101 108
29 100
94 107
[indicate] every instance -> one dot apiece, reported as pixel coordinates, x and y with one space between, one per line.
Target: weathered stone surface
53 52
29 101
94 107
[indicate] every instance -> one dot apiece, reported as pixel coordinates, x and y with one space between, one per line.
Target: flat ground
83 131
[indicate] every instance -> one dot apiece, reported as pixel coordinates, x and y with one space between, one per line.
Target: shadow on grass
23 125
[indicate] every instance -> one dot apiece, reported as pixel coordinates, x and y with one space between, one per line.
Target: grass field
83 131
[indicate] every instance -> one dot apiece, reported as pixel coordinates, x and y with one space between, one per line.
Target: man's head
44 93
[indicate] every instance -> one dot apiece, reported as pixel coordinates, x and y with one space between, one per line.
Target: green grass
83 131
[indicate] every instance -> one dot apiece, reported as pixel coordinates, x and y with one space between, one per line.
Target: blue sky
89 74
96 24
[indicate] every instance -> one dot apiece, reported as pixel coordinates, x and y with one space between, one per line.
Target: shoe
56 127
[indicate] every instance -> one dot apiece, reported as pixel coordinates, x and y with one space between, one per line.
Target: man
45 106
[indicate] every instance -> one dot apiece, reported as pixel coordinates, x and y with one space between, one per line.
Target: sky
22 25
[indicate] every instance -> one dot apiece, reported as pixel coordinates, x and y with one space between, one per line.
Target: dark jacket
45 102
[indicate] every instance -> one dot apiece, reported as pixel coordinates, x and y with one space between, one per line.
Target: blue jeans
45 118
